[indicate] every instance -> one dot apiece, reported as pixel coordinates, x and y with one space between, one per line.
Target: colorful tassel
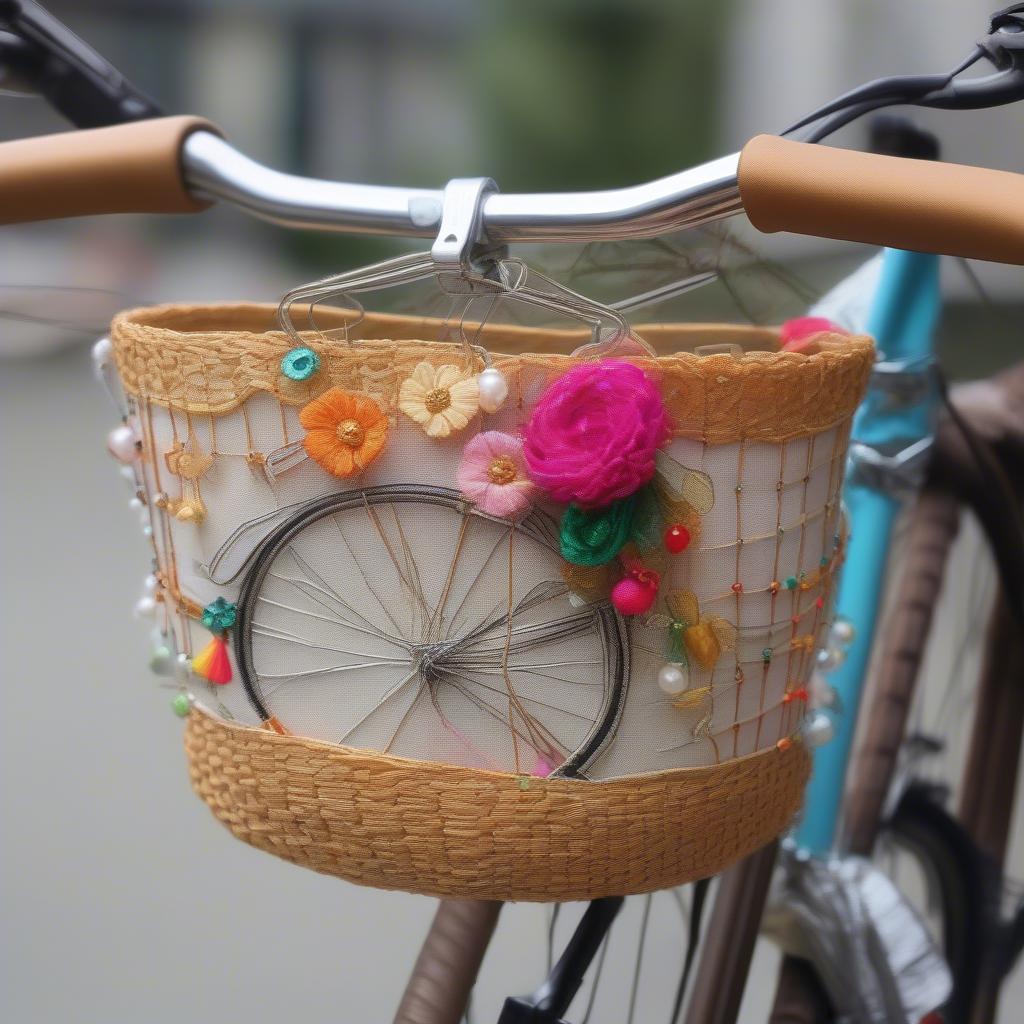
212 662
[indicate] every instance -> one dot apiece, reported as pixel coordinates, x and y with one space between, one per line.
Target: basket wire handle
468 268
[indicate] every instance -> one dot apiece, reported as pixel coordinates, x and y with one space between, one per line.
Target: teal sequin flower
219 615
300 364
596 536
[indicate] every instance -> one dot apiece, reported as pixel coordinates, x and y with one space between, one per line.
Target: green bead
790 583
160 661
823 561
181 705
300 364
596 536
677 644
766 655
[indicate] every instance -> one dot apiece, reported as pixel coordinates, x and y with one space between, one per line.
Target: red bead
820 603
631 597
737 588
677 538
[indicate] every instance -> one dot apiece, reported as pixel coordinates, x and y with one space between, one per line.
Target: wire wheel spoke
400 619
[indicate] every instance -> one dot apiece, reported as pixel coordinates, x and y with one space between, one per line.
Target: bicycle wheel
963 887
402 619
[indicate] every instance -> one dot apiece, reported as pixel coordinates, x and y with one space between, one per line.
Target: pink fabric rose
492 475
594 433
798 335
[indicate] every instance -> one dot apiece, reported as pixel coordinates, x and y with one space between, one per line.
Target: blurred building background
123 900
538 95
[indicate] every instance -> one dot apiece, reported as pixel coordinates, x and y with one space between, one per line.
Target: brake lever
80 84
1003 46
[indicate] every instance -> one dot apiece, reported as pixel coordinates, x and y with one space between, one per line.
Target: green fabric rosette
596 536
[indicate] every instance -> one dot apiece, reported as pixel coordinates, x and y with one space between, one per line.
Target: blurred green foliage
574 94
597 93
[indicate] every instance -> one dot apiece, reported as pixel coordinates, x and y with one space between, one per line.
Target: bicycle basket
547 646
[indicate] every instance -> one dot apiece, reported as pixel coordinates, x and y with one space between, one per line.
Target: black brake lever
45 55
1004 48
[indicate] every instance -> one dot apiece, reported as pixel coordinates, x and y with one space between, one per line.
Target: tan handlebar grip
128 168
883 200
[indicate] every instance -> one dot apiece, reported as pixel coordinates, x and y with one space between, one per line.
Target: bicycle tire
966 881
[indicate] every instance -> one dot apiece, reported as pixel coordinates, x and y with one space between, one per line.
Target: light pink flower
492 475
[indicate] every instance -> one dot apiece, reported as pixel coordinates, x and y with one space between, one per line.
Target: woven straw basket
389 679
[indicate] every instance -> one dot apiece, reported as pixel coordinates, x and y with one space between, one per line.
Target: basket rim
194 358
237 321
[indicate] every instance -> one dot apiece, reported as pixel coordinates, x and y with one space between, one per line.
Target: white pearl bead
672 679
145 607
182 668
150 584
493 389
822 694
136 505
147 531
121 443
128 474
831 658
101 353
818 730
843 631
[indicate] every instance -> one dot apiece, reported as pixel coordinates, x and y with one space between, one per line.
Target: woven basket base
460 832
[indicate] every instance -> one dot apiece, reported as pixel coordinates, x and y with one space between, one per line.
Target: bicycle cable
1002 46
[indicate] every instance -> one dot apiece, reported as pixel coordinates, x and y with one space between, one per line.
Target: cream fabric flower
441 400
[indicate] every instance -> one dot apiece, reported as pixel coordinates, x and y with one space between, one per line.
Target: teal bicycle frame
902 320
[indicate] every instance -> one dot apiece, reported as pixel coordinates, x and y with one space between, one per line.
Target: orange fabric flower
344 432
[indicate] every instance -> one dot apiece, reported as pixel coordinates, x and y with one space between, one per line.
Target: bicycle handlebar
181 164
129 168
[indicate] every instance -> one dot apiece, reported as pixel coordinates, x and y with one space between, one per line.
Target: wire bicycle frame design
437 653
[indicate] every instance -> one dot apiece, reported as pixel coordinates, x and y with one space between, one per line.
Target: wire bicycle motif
389 609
